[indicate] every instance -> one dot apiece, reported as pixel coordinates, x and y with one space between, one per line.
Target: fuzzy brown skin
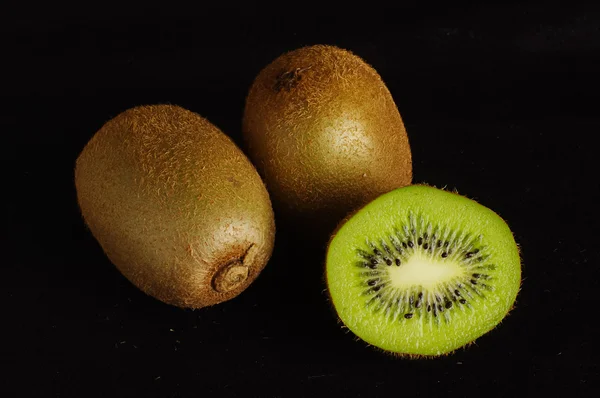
175 205
324 132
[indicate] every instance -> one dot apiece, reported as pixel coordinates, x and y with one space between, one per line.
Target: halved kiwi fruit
176 205
421 271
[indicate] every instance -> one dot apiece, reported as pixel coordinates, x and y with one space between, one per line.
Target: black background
500 102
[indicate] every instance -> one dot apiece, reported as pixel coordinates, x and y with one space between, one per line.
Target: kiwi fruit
421 272
323 130
175 205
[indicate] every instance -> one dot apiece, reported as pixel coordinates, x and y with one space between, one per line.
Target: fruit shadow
292 286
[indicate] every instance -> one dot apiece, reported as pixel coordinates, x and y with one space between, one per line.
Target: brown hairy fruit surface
323 130
175 205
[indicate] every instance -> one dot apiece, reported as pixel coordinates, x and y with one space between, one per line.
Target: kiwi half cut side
420 271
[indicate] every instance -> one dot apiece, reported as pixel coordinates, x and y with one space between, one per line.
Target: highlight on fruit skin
323 130
422 272
175 205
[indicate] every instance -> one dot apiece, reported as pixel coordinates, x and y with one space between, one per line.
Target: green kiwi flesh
324 132
421 271
175 205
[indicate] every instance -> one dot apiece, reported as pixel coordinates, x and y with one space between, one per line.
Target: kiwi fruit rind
421 271
175 205
323 130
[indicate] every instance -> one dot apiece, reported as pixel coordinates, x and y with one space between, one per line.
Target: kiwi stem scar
232 275
288 80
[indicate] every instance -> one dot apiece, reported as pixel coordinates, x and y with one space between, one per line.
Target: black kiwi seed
480 259
372 282
418 304
429 308
463 301
426 246
469 255
444 254
404 245
476 276
376 251
369 274
420 241
386 247
388 261
410 244
420 295
364 254
376 288
398 262
473 281
440 307
408 316
448 304
457 292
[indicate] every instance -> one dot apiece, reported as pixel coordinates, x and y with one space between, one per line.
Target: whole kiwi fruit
323 130
175 205
420 271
